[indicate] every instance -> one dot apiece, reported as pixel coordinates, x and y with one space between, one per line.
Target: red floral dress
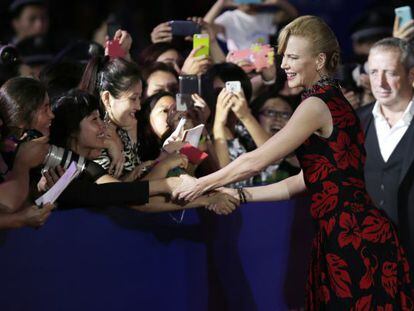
357 261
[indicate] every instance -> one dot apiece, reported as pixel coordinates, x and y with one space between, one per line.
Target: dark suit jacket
406 186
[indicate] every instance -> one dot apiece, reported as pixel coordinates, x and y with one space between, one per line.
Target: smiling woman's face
159 114
91 137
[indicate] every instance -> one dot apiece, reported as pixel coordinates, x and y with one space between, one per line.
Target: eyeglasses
276 114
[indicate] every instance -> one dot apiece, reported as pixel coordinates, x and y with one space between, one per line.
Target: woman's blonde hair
321 37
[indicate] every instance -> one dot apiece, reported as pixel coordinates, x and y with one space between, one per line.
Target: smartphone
188 84
183 101
184 28
404 15
201 40
112 28
233 86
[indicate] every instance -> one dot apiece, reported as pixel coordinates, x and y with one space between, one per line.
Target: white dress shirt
389 137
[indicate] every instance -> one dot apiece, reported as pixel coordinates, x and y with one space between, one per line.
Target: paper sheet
192 136
53 193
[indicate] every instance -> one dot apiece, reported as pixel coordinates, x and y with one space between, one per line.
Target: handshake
222 201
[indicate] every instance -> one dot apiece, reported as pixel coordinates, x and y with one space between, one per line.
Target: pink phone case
115 49
258 57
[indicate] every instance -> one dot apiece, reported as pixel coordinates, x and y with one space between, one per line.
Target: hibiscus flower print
346 154
351 233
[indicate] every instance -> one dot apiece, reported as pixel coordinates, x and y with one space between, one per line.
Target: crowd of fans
120 113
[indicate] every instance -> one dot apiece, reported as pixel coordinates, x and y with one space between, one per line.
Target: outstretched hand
222 203
188 190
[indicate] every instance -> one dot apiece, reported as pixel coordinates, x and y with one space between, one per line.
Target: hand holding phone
404 15
184 28
257 57
115 49
201 40
233 86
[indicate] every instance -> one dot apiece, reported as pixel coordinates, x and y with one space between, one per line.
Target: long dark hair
150 54
150 143
70 109
113 75
19 99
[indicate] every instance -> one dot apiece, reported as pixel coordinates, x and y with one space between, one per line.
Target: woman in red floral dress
357 260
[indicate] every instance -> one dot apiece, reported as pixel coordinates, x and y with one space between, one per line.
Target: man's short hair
405 48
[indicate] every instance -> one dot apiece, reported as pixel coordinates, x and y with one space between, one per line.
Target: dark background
79 19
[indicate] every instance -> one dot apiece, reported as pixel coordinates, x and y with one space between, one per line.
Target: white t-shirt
242 30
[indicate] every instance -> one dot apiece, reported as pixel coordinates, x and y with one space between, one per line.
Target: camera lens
8 55
63 157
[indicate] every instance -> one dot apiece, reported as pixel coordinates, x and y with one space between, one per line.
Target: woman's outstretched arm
311 116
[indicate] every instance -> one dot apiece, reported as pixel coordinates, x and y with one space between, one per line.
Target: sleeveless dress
357 260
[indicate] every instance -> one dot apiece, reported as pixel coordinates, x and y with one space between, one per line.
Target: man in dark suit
389 129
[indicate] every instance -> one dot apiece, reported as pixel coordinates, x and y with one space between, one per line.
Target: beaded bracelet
242 195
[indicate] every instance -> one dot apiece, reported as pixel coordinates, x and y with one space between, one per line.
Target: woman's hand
138 171
268 74
189 189
195 65
117 158
162 33
115 149
49 178
34 216
223 106
32 153
174 160
221 203
125 41
201 107
405 32
240 106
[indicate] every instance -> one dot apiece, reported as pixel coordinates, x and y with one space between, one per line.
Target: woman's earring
106 116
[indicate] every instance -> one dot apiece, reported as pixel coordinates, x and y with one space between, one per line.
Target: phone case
115 49
404 15
188 84
257 57
233 86
184 28
201 40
